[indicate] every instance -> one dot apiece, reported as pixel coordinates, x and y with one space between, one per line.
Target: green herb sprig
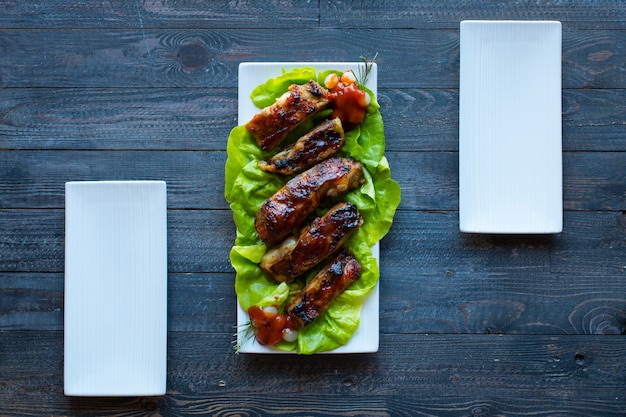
364 71
244 333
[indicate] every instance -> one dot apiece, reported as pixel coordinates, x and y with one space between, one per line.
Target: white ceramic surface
366 338
115 288
510 152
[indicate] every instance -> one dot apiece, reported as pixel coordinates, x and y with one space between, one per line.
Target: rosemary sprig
243 334
364 71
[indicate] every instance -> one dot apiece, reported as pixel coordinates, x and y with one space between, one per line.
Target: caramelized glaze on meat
331 281
272 124
320 143
322 238
292 204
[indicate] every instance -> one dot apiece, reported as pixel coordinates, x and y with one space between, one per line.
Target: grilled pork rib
292 204
331 281
272 124
322 238
320 143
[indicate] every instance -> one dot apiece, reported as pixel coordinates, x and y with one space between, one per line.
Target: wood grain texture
196 301
594 121
429 180
33 241
552 375
158 13
201 119
31 301
198 240
412 58
427 119
117 118
436 246
35 179
470 325
447 14
451 300
397 14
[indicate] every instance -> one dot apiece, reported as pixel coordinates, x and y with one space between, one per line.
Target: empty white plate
510 152
115 327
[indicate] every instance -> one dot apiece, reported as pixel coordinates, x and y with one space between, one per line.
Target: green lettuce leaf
247 187
266 94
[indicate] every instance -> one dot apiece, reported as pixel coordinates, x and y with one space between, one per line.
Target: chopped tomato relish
271 327
348 101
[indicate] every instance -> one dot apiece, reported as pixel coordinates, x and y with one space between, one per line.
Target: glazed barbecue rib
331 281
272 124
322 238
292 204
320 143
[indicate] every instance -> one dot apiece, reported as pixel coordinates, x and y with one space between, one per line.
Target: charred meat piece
320 143
292 204
322 238
272 124
331 281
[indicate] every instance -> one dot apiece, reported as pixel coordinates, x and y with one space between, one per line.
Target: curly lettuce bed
247 187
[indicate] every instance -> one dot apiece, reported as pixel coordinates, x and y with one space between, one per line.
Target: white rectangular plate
366 338
510 162
115 288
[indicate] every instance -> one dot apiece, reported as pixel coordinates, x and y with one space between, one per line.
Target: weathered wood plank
37 178
579 252
201 119
443 375
432 14
594 120
556 284
592 244
224 14
198 240
31 301
428 119
132 90
511 302
429 180
581 182
413 58
485 299
148 14
118 118
196 301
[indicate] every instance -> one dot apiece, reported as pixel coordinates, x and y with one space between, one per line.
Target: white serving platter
115 330
366 338
510 145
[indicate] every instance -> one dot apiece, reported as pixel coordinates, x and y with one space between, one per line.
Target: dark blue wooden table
470 325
